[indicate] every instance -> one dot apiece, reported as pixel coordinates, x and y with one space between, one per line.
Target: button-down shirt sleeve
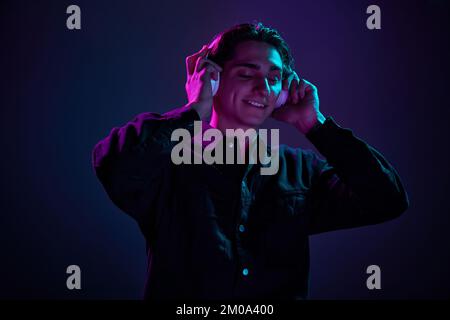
132 162
355 186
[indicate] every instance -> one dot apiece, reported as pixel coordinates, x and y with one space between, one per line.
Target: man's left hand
302 107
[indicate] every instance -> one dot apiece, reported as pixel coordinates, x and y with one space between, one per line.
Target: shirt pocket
285 236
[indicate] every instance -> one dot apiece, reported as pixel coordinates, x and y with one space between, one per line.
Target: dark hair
223 45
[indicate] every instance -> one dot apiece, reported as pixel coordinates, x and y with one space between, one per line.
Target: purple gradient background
62 91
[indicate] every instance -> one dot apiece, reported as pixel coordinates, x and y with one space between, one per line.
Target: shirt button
231 145
241 228
245 272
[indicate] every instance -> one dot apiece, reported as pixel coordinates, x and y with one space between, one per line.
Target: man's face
249 85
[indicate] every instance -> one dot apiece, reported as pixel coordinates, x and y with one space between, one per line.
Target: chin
253 123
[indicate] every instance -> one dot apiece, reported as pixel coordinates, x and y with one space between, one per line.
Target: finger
293 89
192 60
293 93
306 86
286 82
302 88
203 61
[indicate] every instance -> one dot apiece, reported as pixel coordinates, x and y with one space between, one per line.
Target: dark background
63 90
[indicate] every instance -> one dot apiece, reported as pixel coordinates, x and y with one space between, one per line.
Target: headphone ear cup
215 84
282 98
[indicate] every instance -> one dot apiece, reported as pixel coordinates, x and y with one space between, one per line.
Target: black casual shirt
228 232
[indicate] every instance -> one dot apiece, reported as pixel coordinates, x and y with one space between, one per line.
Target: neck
222 124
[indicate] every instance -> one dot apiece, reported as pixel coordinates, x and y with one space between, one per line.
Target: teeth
256 104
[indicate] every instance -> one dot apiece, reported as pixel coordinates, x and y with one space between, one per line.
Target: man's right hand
200 71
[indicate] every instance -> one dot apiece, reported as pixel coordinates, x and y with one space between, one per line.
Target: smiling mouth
255 104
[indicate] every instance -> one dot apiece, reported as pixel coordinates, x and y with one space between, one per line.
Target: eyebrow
255 66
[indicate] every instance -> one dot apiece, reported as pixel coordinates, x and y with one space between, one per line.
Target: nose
263 87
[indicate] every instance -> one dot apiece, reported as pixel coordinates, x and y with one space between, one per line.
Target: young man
225 231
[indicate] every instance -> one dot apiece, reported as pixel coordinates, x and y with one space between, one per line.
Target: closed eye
272 81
